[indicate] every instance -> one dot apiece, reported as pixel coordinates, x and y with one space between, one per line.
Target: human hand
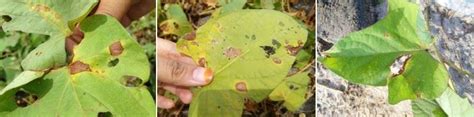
125 11
176 73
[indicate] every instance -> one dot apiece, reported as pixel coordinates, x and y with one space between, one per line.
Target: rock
451 23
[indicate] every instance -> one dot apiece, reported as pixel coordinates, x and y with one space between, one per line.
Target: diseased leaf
48 17
250 52
54 18
366 56
106 74
455 106
177 22
49 54
292 90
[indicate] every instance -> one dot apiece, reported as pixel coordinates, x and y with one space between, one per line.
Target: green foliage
448 104
250 53
427 108
453 105
106 74
366 56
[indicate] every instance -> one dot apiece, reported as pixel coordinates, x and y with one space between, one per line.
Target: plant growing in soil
105 76
395 51
250 51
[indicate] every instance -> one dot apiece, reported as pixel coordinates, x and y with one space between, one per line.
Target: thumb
115 8
175 72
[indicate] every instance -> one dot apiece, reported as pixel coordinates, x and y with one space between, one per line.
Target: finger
115 8
184 94
168 49
164 102
126 21
175 72
140 9
137 10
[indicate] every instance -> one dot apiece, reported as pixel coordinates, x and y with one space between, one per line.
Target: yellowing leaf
292 90
250 52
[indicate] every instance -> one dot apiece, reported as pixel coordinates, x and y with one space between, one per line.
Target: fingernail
202 75
168 104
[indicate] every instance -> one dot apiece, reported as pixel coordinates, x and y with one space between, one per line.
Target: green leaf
177 22
426 108
8 40
453 105
49 17
292 90
7 102
99 79
11 68
46 56
24 78
54 18
250 52
366 56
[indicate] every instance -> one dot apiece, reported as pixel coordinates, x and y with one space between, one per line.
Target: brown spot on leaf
269 50
276 60
214 42
132 81
202 62
38 53
41 8
113 62
45 11
386 35
194 43
293 87
116 48
241 87
276 43
6 18
398 66
23 99
78 67
164 27
232 52
176 26
190 36
293 50
281 23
